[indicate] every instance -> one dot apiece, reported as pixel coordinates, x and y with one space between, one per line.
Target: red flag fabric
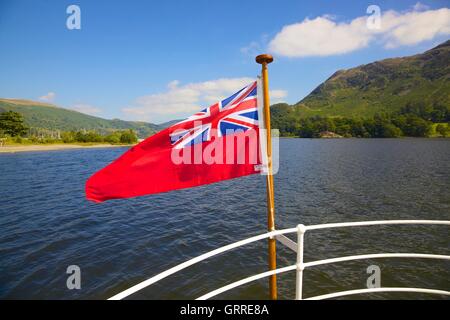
218 143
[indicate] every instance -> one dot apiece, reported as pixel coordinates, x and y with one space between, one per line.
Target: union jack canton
237 112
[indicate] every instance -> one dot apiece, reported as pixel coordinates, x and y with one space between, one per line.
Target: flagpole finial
264 58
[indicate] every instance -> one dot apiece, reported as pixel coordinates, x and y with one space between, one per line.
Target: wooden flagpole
264 60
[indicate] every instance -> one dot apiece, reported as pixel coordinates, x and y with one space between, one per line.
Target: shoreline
54 147
61 146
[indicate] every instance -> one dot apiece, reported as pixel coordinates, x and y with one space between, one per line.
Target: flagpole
264 60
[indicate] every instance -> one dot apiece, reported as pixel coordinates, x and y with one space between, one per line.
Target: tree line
12 126
412 120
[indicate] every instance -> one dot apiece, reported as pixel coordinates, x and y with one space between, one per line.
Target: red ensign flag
218 143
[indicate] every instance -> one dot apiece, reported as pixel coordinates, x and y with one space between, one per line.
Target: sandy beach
50 147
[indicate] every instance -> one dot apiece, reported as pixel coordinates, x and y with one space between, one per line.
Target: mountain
381 86
40 115
169 123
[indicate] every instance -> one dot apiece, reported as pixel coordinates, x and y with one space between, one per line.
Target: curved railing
198 259
300 264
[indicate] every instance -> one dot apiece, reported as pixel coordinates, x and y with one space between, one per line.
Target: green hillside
381 86
50 117
388 98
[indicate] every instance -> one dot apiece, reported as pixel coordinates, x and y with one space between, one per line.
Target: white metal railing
300 264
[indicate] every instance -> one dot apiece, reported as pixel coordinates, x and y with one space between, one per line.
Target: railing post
300 267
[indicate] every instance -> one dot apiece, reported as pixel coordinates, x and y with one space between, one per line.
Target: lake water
46 224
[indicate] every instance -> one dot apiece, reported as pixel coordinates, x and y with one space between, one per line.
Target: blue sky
160 60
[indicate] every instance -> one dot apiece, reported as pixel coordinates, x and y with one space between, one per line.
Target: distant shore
50 147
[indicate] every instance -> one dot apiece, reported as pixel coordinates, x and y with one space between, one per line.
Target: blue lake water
46 224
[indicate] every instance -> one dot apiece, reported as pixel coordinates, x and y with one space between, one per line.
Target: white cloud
414 27
180 101
420 7
322 36
256 47
277 96
86 108
49 97
173 84
252 49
